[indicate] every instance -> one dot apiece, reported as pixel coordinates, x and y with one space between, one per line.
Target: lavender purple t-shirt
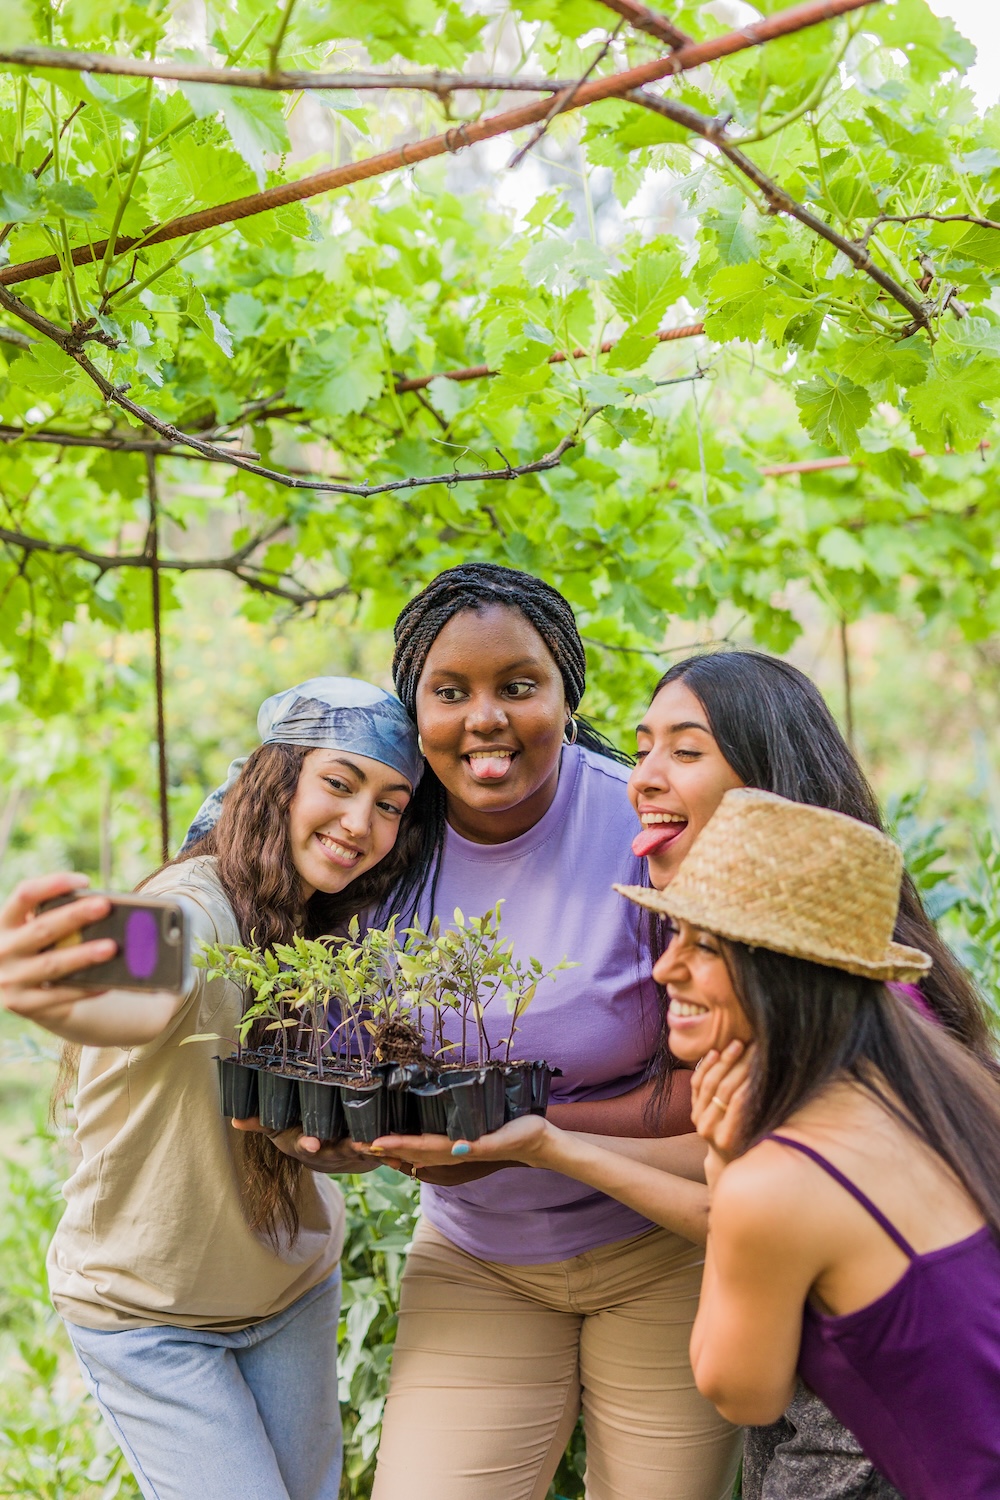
599 1021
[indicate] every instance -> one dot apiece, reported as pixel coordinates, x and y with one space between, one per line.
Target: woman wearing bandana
196 1269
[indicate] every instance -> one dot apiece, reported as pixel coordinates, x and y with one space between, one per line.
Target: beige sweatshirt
154 1231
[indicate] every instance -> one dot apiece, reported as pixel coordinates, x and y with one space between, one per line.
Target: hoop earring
420 745
572 730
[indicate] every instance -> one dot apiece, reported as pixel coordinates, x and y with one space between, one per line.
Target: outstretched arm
660 1179
31 971
637 1114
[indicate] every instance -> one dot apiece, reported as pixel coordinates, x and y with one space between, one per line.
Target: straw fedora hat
799 880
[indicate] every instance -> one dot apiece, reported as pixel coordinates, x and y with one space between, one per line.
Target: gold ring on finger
719 1103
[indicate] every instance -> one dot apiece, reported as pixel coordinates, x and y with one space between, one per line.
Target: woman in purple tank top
854 1237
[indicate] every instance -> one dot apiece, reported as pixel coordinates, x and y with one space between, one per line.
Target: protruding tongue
489 767
657 837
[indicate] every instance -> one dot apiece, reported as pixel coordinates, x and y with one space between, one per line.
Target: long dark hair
777 734
479 586
812 1024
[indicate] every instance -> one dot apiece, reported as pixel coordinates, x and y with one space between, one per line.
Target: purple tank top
915 1375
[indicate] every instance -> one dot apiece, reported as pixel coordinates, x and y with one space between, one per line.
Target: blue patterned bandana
327 713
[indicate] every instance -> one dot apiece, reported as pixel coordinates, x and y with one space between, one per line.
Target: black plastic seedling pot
403 1110
492 1081
365 1110
541 1077
237 1088
322 1108
466 1108
517 1090
432 1106
279 1100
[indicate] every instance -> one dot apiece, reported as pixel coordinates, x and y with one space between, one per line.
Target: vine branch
482 372
152 555
69 343
254 577
938 219
613 85
114 442
281 81
778 200
641 18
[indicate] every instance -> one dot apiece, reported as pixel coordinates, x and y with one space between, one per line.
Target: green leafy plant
477 365
467 968
375 985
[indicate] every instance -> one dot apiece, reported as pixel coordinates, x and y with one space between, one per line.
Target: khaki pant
493 1363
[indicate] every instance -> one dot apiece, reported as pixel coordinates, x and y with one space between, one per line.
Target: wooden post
845 665
152 551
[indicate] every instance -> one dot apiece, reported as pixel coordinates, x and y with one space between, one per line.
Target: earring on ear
572 730
420 745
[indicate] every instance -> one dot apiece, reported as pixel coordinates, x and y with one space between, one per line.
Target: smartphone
153 944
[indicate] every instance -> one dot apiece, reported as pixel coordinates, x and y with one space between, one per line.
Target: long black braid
479 586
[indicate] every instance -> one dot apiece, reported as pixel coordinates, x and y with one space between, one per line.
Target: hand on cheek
720 1092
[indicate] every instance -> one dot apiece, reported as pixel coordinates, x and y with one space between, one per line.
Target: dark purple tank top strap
852 1188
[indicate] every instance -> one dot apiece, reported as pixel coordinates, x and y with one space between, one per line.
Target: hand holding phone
152 940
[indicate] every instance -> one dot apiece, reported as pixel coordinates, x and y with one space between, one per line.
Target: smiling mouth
659 830
685 1009
490 765
340 854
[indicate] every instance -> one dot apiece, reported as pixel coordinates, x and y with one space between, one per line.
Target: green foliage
53 1444
967 905
381 1218
287 333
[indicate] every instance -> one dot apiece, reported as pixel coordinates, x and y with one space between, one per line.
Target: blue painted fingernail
461 1148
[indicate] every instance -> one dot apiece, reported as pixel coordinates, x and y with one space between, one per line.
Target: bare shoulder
763 1195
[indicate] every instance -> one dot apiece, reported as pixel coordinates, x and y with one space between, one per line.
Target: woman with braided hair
528 1296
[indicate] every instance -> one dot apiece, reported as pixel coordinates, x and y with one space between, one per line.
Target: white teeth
490 754
649 819
685 1008
344 850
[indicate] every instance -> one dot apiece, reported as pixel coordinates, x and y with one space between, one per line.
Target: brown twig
613 85
15 337
37 172
114 442
482 372
937 218
254 577
841 461
282 81
563 101
152 555
778 201
173 435
641 18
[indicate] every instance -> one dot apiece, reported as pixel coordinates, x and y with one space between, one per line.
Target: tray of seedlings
387 1031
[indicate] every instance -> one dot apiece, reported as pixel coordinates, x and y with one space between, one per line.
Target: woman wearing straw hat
855 1210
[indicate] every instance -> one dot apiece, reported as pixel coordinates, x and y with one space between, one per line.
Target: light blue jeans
202 1415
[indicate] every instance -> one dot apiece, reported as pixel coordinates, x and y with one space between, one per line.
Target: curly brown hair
254 865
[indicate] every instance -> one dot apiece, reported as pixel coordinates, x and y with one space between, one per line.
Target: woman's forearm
681 1155
116 1018
637 1114
676 1202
